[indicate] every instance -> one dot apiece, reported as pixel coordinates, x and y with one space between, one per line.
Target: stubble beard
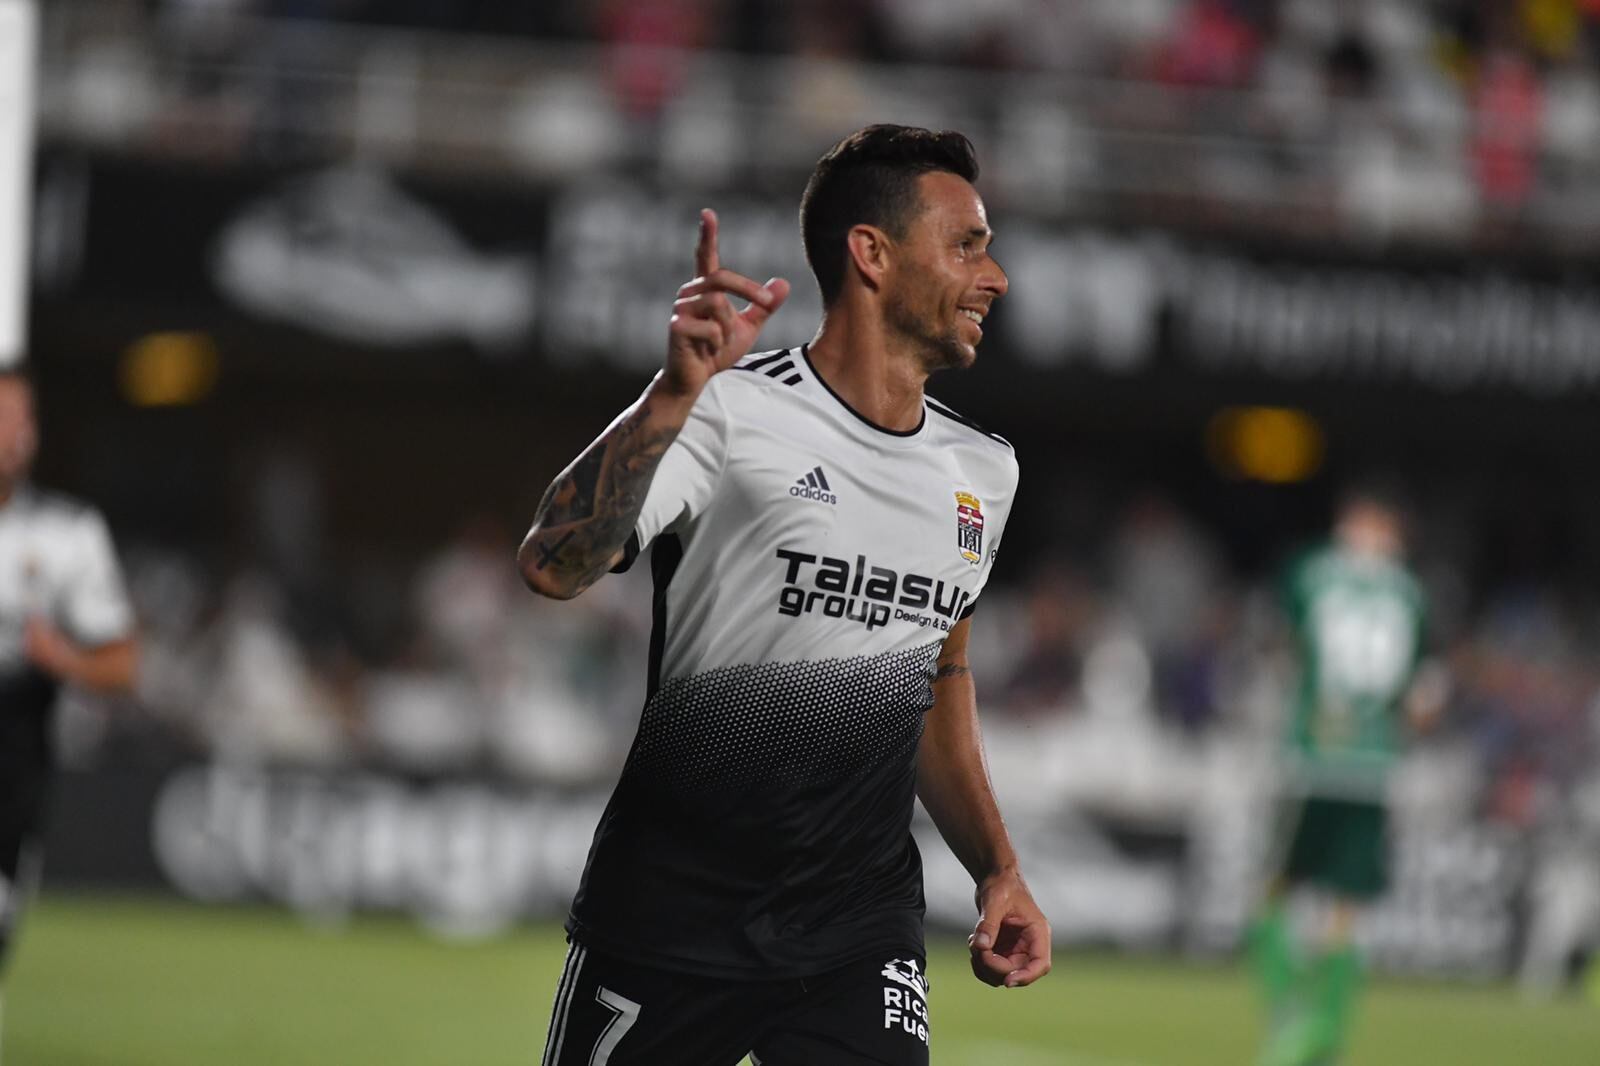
937 351
15 463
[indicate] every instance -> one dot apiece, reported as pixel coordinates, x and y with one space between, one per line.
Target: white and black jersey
807 567
56 564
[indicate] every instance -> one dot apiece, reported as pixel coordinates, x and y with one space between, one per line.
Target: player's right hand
1011 943
48 649
707 335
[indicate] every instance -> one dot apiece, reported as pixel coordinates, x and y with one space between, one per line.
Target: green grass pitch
115 982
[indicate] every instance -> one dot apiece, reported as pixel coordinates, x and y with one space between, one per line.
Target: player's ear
868 248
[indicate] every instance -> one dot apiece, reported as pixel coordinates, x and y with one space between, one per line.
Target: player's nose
993 280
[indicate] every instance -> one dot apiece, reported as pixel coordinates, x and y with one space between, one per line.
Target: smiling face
19 435
942 280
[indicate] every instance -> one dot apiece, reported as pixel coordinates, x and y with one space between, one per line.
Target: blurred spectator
1058 607
577 676
174 606
423 720
1508 104
1351 67
1213 44
1191 678
267 704
1163 569
1553 28
1565 908
464 596
946 31
647 39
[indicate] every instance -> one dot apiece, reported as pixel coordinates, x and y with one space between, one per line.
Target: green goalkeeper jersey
1359 622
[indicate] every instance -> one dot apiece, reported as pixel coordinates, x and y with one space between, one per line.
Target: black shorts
609 1012
1342 846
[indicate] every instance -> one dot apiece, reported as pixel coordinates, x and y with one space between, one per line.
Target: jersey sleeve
1422 624
687 478
92 605
991 549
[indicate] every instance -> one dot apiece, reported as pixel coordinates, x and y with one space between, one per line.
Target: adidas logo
813 486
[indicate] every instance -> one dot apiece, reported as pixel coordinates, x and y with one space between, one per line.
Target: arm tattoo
588 512
951 670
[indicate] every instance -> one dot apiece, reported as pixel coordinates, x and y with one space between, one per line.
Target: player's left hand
48 648
1011 944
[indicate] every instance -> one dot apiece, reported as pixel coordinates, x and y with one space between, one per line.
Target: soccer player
64 619
821 532
1358 618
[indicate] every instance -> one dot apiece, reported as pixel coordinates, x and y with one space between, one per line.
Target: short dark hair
871 177
1380 490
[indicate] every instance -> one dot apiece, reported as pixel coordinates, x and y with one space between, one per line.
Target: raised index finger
705 252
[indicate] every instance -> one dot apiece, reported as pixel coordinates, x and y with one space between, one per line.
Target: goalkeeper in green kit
1358 617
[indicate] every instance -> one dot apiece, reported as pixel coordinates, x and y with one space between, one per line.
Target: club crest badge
969 527
907 972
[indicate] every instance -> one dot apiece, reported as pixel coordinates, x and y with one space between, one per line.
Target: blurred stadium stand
327 290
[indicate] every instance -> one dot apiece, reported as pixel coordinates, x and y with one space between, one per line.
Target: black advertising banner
473 856
584 275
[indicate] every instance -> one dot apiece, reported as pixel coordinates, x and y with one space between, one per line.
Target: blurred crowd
1147 644
1383 117
1156 626
447 667
1228 43
1400 93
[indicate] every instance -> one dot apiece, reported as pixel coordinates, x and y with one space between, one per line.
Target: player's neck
853 354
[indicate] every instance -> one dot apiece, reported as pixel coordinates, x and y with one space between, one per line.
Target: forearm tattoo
947 670
588 512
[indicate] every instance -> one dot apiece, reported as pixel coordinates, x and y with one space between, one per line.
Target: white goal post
19 36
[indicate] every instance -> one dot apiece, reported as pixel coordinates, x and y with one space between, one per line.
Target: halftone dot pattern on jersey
789 723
